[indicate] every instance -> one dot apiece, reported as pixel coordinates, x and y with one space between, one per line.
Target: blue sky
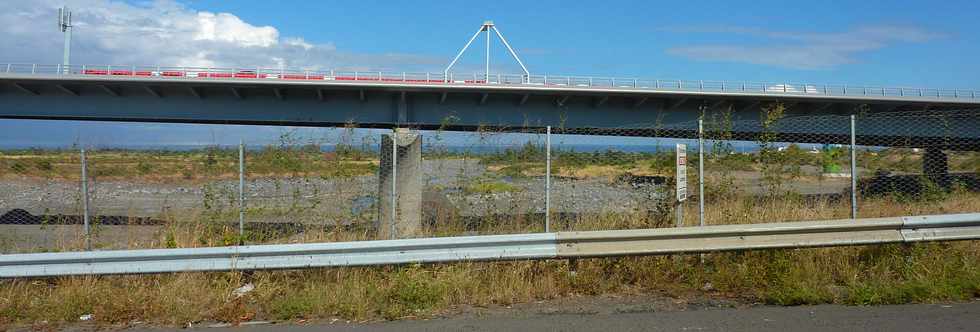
921 43
893 43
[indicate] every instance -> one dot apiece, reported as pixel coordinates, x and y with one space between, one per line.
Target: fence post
701 171
547 182
241 192
394 183
85 207
854 172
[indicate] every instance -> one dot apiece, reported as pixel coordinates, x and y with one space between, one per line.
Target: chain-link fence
918 162
484 182
361 184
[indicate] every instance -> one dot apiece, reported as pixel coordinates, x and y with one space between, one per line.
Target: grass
864 275
487 186
857 275
188 166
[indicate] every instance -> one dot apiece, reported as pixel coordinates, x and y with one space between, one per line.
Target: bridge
449 101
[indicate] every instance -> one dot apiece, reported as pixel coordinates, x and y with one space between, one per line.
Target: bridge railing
556 81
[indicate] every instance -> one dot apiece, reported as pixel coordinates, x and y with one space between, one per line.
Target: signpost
681 177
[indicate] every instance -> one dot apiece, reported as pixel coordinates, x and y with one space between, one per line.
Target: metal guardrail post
701 171
85 206
241 192
547 182
854 171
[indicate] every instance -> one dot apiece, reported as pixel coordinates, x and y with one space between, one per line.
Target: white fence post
85 202
854 171
241 192
547 182
701 172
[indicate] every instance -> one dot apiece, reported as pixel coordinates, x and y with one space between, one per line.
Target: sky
889 43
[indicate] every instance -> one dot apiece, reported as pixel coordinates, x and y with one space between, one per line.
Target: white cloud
800 50
229 28
166 32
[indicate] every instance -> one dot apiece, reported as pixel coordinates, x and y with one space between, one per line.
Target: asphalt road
920 317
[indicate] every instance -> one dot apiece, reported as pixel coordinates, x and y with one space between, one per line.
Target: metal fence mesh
483 182
40 204
335 185
309 189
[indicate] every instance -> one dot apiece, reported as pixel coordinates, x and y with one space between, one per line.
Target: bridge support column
935 166
400 185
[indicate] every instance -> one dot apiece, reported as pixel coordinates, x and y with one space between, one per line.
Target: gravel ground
314 200
324 197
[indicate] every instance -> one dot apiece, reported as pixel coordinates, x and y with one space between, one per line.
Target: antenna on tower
64 23
486 27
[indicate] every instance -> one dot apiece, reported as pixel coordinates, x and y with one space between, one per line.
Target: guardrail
558 81
500 247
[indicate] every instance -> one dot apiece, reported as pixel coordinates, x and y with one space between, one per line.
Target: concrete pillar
406 219
935 165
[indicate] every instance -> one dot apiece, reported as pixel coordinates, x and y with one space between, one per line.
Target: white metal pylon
487 26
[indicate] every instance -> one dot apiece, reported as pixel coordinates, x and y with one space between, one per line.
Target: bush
18 167
43 165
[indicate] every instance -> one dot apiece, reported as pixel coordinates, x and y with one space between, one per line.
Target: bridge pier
400 185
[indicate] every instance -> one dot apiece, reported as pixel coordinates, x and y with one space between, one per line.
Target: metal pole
394 182
85 207
701 172
527 74
241 192
679 213
67 56
547 182
854 172
488 57
453 63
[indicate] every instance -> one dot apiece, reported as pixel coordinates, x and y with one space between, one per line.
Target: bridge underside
619 114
